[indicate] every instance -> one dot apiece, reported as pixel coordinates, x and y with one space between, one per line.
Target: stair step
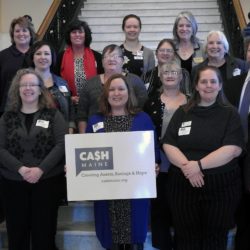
73 236
144 37
81 235
152 20
144 14
100 29
146 1
150 37
76 212
105 19
132 6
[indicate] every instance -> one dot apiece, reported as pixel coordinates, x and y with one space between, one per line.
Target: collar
248 76
196 45
15 51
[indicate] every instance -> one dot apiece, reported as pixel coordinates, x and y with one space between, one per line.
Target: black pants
160 216
2 217
242 239
31 213
203 216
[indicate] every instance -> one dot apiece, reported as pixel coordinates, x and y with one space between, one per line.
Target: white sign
104 166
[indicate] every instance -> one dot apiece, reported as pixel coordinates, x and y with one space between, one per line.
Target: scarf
67 67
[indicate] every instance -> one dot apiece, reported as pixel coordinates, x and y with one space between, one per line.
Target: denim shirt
62 96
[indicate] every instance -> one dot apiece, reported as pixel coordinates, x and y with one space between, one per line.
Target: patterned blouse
119 210
80 76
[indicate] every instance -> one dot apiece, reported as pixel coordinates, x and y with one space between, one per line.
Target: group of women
198 134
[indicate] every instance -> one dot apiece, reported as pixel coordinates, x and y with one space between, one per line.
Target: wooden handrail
47 19
240 14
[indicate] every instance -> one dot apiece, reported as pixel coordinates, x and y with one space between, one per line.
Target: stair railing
233 21
60 13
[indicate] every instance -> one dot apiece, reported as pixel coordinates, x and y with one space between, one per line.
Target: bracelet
200 166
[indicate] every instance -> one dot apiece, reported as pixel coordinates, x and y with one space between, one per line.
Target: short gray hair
222 38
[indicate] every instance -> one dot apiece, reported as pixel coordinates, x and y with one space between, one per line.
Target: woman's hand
33 175
75 99
190 169
197 180
71 131
157 169
193 173
23 171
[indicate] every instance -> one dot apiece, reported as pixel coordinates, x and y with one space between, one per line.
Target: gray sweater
90 94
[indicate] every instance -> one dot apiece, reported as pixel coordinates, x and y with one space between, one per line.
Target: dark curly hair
79 25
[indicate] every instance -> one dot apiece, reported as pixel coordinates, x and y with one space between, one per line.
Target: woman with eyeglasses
161 108
165 53
112 61
32 162
203 142
138 59
188 46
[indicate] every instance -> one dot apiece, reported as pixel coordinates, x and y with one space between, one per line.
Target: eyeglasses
172 72
169 51
115 57
30 85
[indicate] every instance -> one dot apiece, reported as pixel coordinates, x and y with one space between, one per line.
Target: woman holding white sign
120 224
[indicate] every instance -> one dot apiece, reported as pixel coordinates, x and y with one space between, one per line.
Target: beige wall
10 9
246 8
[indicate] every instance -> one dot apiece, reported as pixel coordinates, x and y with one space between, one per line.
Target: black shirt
203 130
133 63
11 60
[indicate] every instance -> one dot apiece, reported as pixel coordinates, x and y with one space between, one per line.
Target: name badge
198 60
139 55
236 72
98 126
42 123
147 85
186 124
63 89
184 131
